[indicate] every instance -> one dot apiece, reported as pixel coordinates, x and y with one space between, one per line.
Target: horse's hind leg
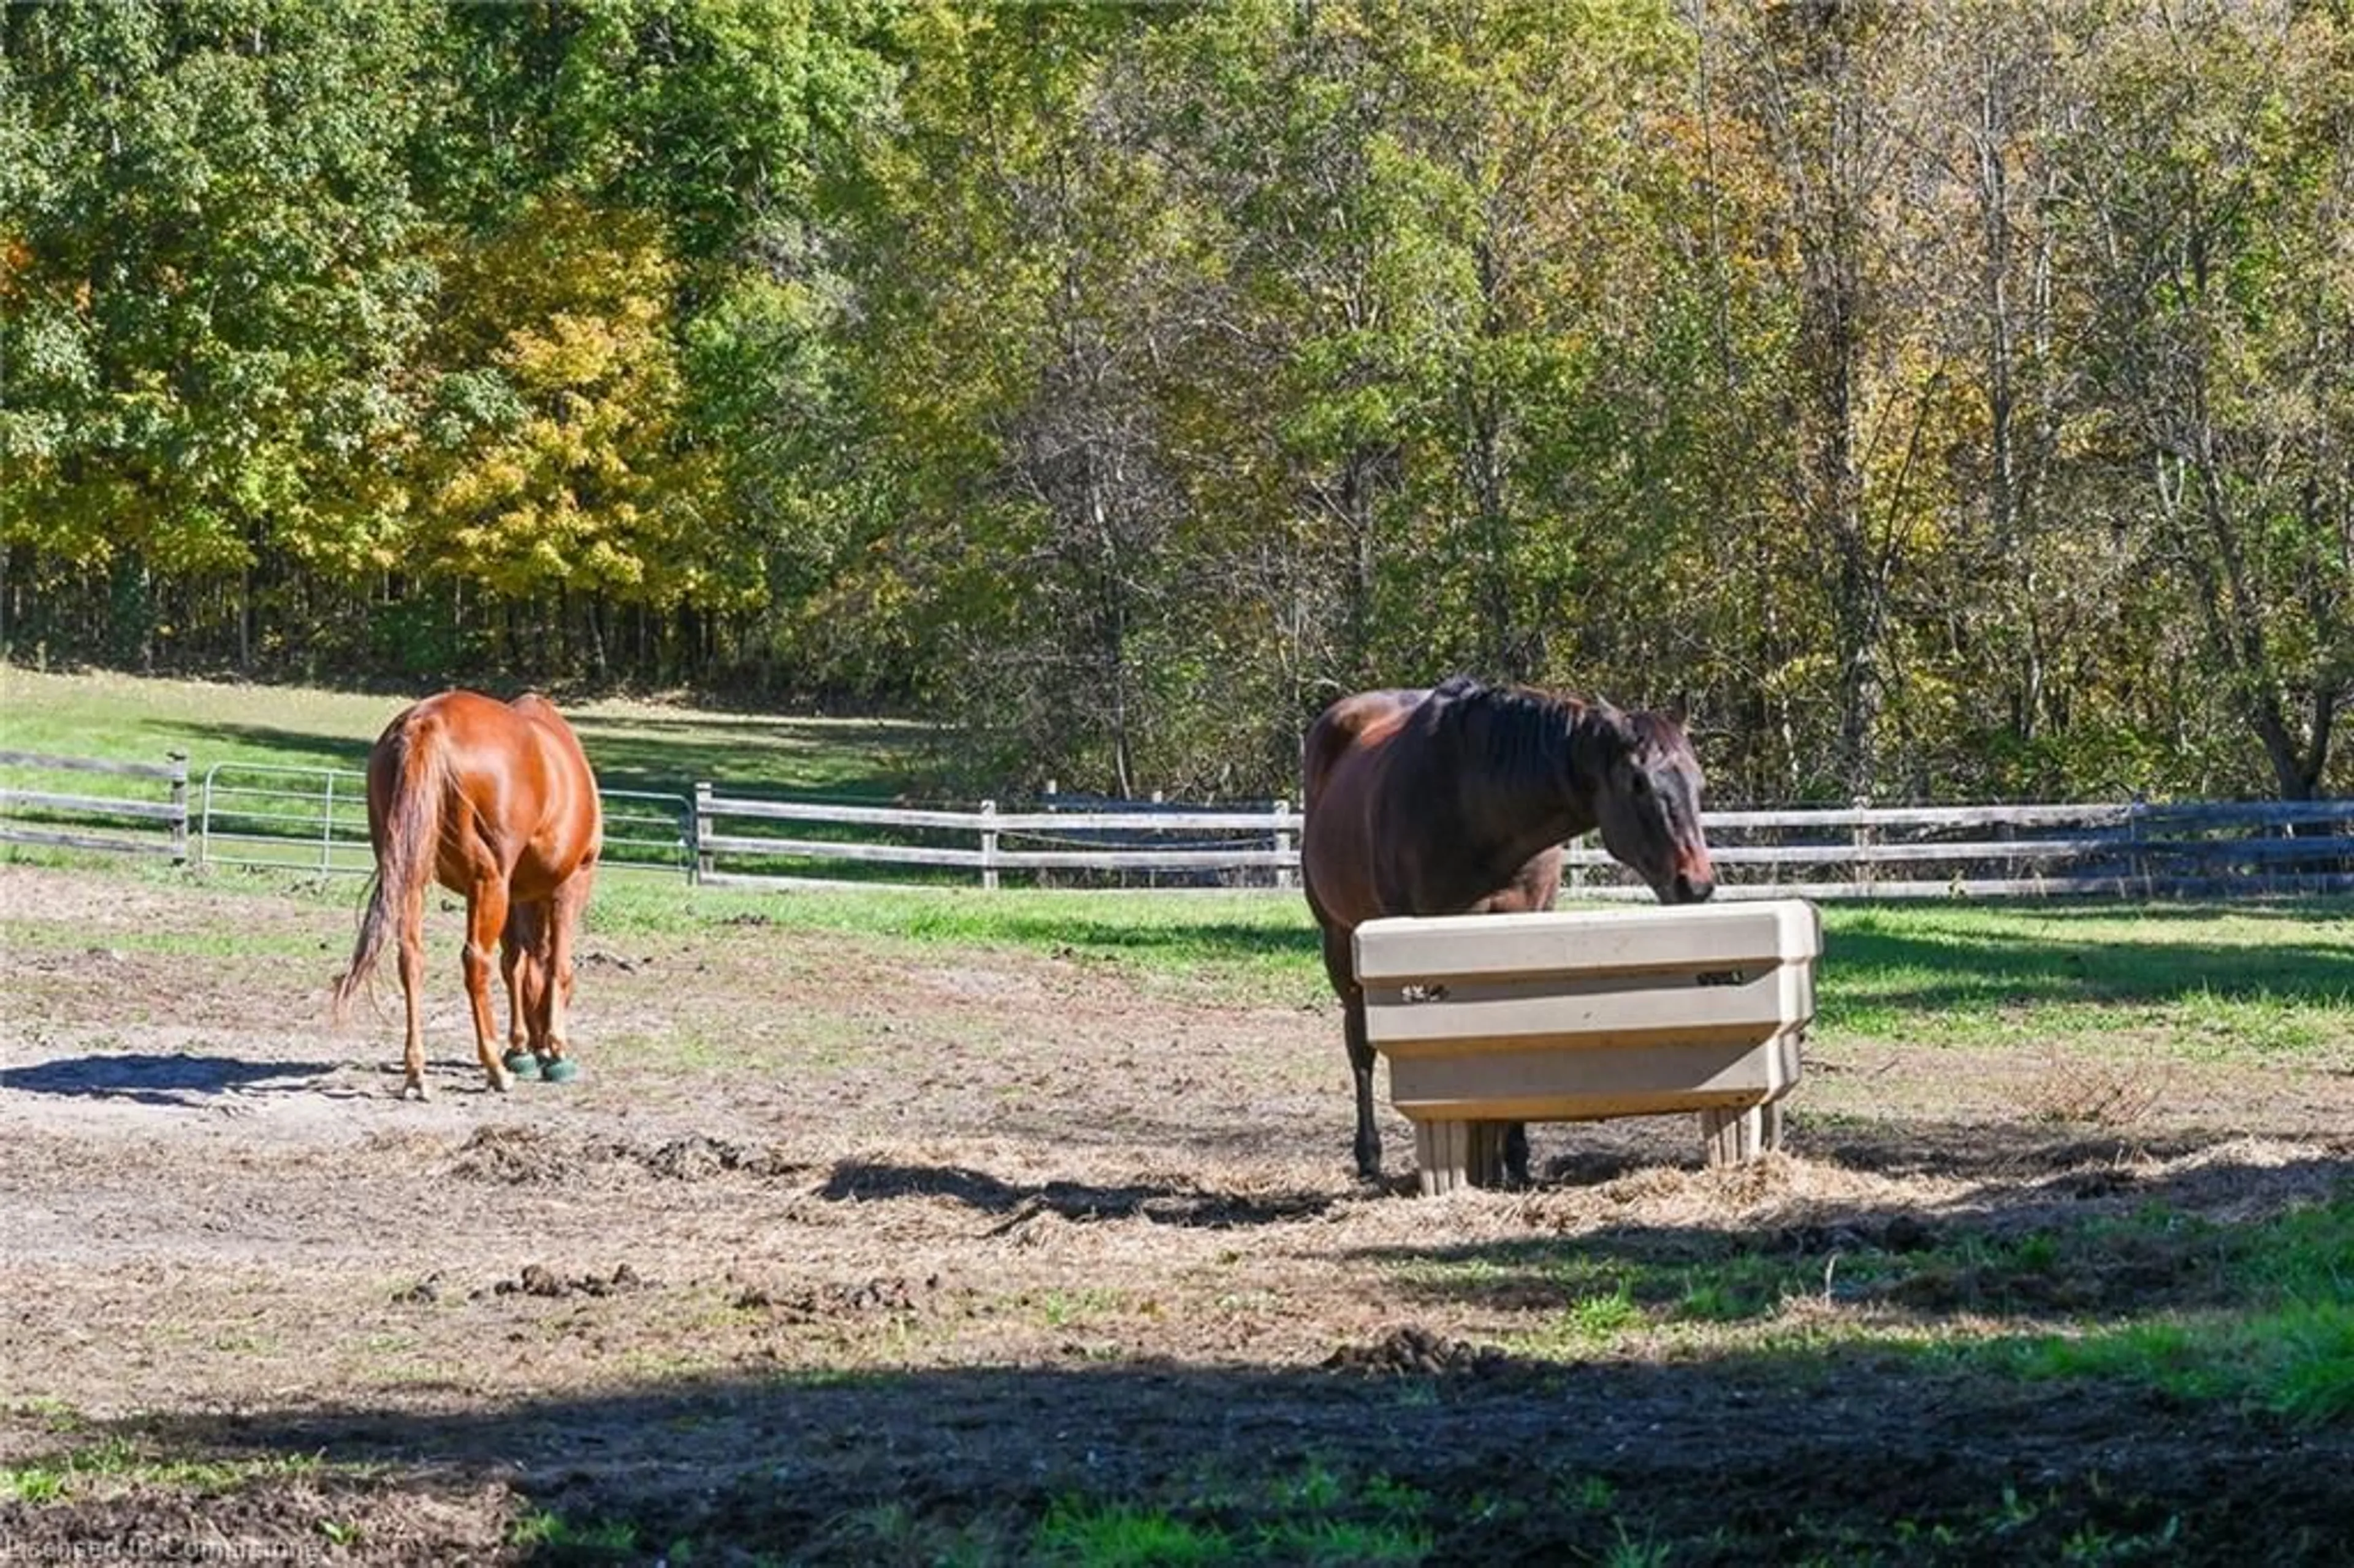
412 994
523 957
486 920
563 925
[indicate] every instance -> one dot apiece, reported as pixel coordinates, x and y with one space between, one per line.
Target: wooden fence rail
1196 845
61 820
2113 848
2128 848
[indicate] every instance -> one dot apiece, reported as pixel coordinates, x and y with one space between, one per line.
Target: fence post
2138 861
1152 874
205 821
988 846
1863 840
1283 874
179 807
702 833
327 829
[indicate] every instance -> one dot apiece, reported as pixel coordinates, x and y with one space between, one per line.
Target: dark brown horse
496 802
1458 799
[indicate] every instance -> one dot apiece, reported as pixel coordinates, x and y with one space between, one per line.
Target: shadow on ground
176 1079
1805 1456
1172 1203
1399 1445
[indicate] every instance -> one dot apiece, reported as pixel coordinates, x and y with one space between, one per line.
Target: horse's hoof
523 1065
502 1081
413 1092
562 1070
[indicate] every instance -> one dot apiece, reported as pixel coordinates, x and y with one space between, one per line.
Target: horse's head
1647 802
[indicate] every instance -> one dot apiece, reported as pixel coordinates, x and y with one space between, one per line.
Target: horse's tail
414 773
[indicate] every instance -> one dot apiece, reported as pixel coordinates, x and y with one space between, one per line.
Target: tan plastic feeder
1490 1019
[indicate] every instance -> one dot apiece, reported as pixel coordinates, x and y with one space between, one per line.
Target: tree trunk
1817 115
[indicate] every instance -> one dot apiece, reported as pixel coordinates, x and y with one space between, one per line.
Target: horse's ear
1679 709
1620 724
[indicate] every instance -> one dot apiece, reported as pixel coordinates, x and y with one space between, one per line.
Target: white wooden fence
788 844
2124 848
113 823
257 815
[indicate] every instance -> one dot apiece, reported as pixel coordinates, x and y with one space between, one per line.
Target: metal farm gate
315 819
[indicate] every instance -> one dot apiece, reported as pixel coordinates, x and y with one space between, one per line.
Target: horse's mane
1517 736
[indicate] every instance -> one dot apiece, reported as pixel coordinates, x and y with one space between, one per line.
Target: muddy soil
847 1250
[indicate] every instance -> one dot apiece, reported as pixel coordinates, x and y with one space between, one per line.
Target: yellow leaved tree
554 457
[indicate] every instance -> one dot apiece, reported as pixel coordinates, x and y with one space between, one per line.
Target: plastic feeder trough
1490 1019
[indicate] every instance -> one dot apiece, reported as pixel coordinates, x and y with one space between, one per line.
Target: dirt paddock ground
850 1250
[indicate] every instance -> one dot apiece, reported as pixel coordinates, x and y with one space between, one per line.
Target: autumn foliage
1944 401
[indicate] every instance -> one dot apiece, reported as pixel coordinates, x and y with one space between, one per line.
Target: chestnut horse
496 802
1457 801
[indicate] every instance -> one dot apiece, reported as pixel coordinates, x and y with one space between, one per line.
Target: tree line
1938 401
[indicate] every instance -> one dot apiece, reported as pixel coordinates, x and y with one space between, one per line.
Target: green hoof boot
563 1070
523 1065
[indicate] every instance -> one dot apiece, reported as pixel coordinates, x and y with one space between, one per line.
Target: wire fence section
279 815
315 820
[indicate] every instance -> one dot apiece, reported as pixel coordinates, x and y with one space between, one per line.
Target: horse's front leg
1339 968
1516 1153
1361 1065
486 920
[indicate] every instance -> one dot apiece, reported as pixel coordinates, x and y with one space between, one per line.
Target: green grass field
635 746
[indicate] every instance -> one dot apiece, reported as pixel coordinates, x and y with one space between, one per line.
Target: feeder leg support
1738 1135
